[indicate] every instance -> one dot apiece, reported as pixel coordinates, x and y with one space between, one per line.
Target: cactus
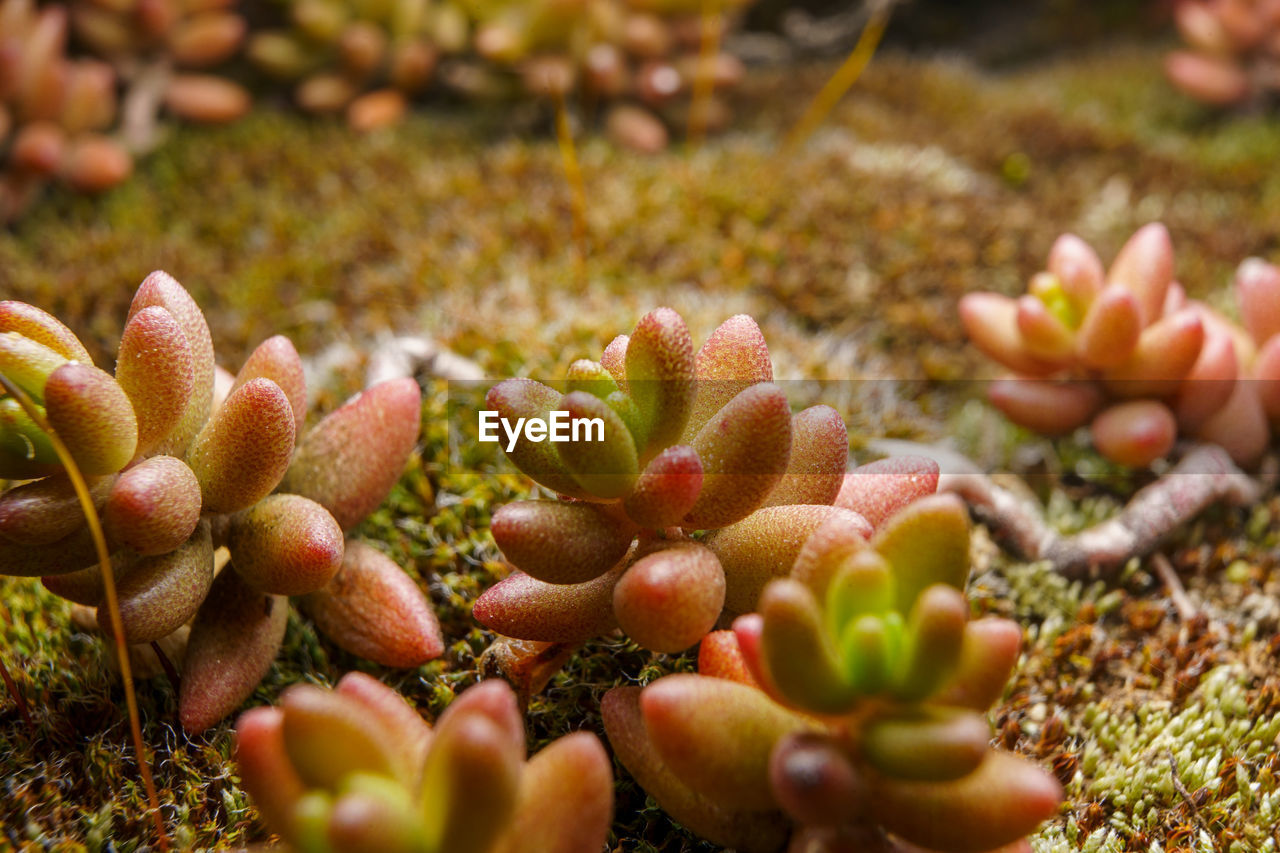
356 769
53 111
176 473
690 443
1233 55
847 713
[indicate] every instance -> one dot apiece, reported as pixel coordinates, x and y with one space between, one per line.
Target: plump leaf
1240 426
470 782
614 360
327 737
1258 292
91 414
591 377
83 586
160 289
25 449
244 450
815 781
1166 352
750 831
716 736
819 458
390 711
44 511
838 539
42 327
927 744
1046 406
277 360
667 488
1208 386
1135 433
560 542
70 554
1144 266
373 609
797 651
373 812
159 593
1003 800
991 321
152 507
527 608
926 542
524 398
879 489
720 656
1044 335
1110 329
1077 266
765 545
733 358
606 468
285 545
744 450
265 769
565 801
669 599
935 634
350 460
27 363
988 654
156 368
234 639
659 365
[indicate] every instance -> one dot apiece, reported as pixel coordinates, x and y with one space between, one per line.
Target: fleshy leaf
659 365
265 769
1258 292
606 468
716 735
565 801
744 451
935 634
1240 426
1208 386
153 506
1110 329
156 368
234 639
927 744
25 450
815 781
90 412
1166 352
391 711
27 363
44 511
244 450
720 656
733 358
158 594
750 831
765 544
1077 266
1044 335
349 461
327 736
527 608
70 554
667 488
373 812
614 360
591 377
1135 433
373 609
668 600
277 360
819 458
1046 406
988 654
285 545
879 489
926 542
991 321
797 654
1144 266
560 542
42 327
161 289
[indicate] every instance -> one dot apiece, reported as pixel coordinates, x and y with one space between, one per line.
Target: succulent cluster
692 443
1234 51
178 467
363 57
1125 351
163 50
356 769
53 111
849 712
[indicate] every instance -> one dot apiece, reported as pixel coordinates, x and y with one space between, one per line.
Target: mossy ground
931 180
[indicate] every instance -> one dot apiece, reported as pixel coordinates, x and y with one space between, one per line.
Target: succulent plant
1234 51
356 769
175 473
164 52
660 517
53 111
367 58
848 713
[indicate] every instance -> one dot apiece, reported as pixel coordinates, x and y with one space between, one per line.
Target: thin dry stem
109 589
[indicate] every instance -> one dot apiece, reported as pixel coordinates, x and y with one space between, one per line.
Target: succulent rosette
365 58
692 443
54 111
1233 55
175 473
357 769
1122 350
849 713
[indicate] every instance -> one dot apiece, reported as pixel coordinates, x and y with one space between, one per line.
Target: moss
932 179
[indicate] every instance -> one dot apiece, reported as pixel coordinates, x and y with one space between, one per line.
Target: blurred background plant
1233 52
